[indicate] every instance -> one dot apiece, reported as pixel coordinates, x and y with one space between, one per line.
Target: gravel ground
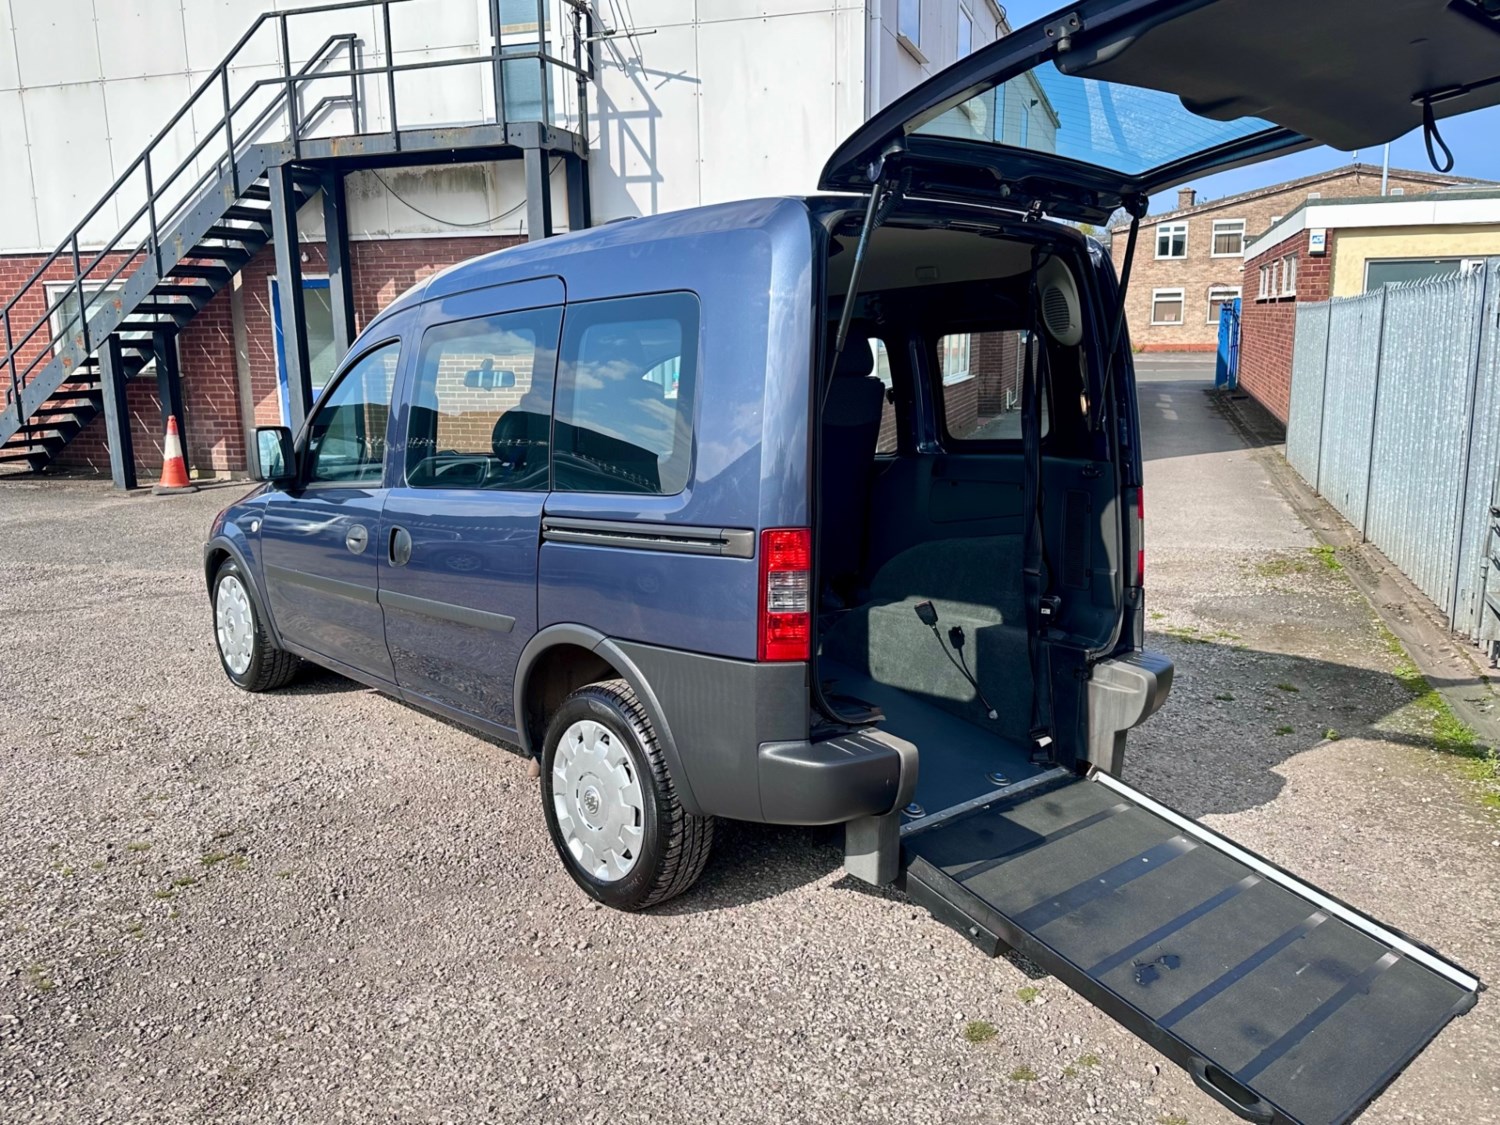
321 905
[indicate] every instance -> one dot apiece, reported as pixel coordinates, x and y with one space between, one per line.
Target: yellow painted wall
1353 247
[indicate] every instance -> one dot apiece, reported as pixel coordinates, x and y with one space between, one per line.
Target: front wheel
250 659
611 809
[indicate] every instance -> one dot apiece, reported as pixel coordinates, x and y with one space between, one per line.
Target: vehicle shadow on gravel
1236 715
751 862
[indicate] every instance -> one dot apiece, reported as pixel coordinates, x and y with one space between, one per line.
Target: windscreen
1127 129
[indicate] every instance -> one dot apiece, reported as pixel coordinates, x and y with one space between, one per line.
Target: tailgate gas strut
1135 206
884 195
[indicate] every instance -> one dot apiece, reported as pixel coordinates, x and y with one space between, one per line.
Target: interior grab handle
400 546
1232 1095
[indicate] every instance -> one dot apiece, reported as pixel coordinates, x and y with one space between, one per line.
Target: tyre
611 809
250 659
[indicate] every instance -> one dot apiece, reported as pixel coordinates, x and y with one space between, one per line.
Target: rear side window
625 388
481 407
981 386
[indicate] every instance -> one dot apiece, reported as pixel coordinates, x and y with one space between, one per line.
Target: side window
625 389
886 442
981 385
346 440
481 403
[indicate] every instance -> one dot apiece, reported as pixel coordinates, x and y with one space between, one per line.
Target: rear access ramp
1283 1003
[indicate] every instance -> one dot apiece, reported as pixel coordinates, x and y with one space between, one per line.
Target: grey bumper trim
832 781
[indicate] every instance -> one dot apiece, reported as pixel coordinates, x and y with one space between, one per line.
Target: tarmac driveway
321 905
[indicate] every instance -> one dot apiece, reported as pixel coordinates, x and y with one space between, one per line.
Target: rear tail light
785 594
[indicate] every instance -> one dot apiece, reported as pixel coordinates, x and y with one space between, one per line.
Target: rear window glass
886 442
980 388
625 389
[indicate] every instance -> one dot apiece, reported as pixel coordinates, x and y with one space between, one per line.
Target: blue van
829 511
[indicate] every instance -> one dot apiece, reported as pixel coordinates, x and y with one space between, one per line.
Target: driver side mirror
275 459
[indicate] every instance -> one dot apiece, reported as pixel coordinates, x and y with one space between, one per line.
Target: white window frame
1224 294
1227 226
967 371
965 18
909 35
1263 275
1170 231
1181 299
1289 276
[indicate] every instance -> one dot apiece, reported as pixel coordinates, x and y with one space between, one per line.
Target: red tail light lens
785 594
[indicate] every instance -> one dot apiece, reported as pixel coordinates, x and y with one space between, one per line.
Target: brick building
1344 247
1188 260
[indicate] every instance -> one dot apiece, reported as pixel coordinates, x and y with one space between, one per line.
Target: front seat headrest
857 359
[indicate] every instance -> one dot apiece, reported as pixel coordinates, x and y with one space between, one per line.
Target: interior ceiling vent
1060 305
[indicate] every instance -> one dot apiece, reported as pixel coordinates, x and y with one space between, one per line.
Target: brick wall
1200 271
1268 324
214 427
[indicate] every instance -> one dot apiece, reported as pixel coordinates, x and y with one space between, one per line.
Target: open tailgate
1284 1004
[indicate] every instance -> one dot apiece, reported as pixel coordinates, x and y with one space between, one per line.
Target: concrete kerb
1449 665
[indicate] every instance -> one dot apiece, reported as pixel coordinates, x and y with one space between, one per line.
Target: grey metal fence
1395 420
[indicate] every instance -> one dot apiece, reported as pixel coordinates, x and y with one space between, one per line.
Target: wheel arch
562 658
221 549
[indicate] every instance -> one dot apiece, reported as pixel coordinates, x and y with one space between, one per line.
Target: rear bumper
836 780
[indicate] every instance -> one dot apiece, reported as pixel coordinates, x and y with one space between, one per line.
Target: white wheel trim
234 624
601 814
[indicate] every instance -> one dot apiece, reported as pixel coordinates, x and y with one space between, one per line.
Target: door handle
357 538
400 546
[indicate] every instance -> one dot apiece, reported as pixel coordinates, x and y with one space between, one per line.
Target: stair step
248 214
208 273
227 254
166 289
24 456
257 190
151 305
236 234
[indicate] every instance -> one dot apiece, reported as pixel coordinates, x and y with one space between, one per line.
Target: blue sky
1472 139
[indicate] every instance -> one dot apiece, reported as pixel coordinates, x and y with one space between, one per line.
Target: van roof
550 256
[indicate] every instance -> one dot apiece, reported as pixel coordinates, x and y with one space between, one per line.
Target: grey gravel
322 905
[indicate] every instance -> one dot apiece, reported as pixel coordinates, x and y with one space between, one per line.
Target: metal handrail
158 216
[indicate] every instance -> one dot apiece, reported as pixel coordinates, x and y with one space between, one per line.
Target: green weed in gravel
1332 735
1324 554
1088 1060
1172 1119
1028 993
980 1031
1279 568
1224 697
1024 1073
1288 687
1284 730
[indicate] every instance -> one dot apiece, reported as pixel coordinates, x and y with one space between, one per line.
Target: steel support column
340 269
538 195
289 293
169 383
580 206
116 416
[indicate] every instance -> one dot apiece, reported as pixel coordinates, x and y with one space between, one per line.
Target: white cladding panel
712 100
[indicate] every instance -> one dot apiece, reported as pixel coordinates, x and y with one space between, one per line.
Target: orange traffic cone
174 476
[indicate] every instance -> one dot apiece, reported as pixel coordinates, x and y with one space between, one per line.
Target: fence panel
1305 415
1350 380
1422 429
1395 420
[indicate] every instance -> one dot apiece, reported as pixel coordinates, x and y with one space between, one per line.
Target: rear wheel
611 809
250 659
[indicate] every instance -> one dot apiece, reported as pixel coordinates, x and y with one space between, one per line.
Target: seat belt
1041 605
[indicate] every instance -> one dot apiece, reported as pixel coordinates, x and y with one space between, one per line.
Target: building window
1166 306
1265 283
1171 240
1218 297
953 356
1289 276
1395 271
618 425
1229 238
965 32
909 22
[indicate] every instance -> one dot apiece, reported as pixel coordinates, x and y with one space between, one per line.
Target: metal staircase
271 150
